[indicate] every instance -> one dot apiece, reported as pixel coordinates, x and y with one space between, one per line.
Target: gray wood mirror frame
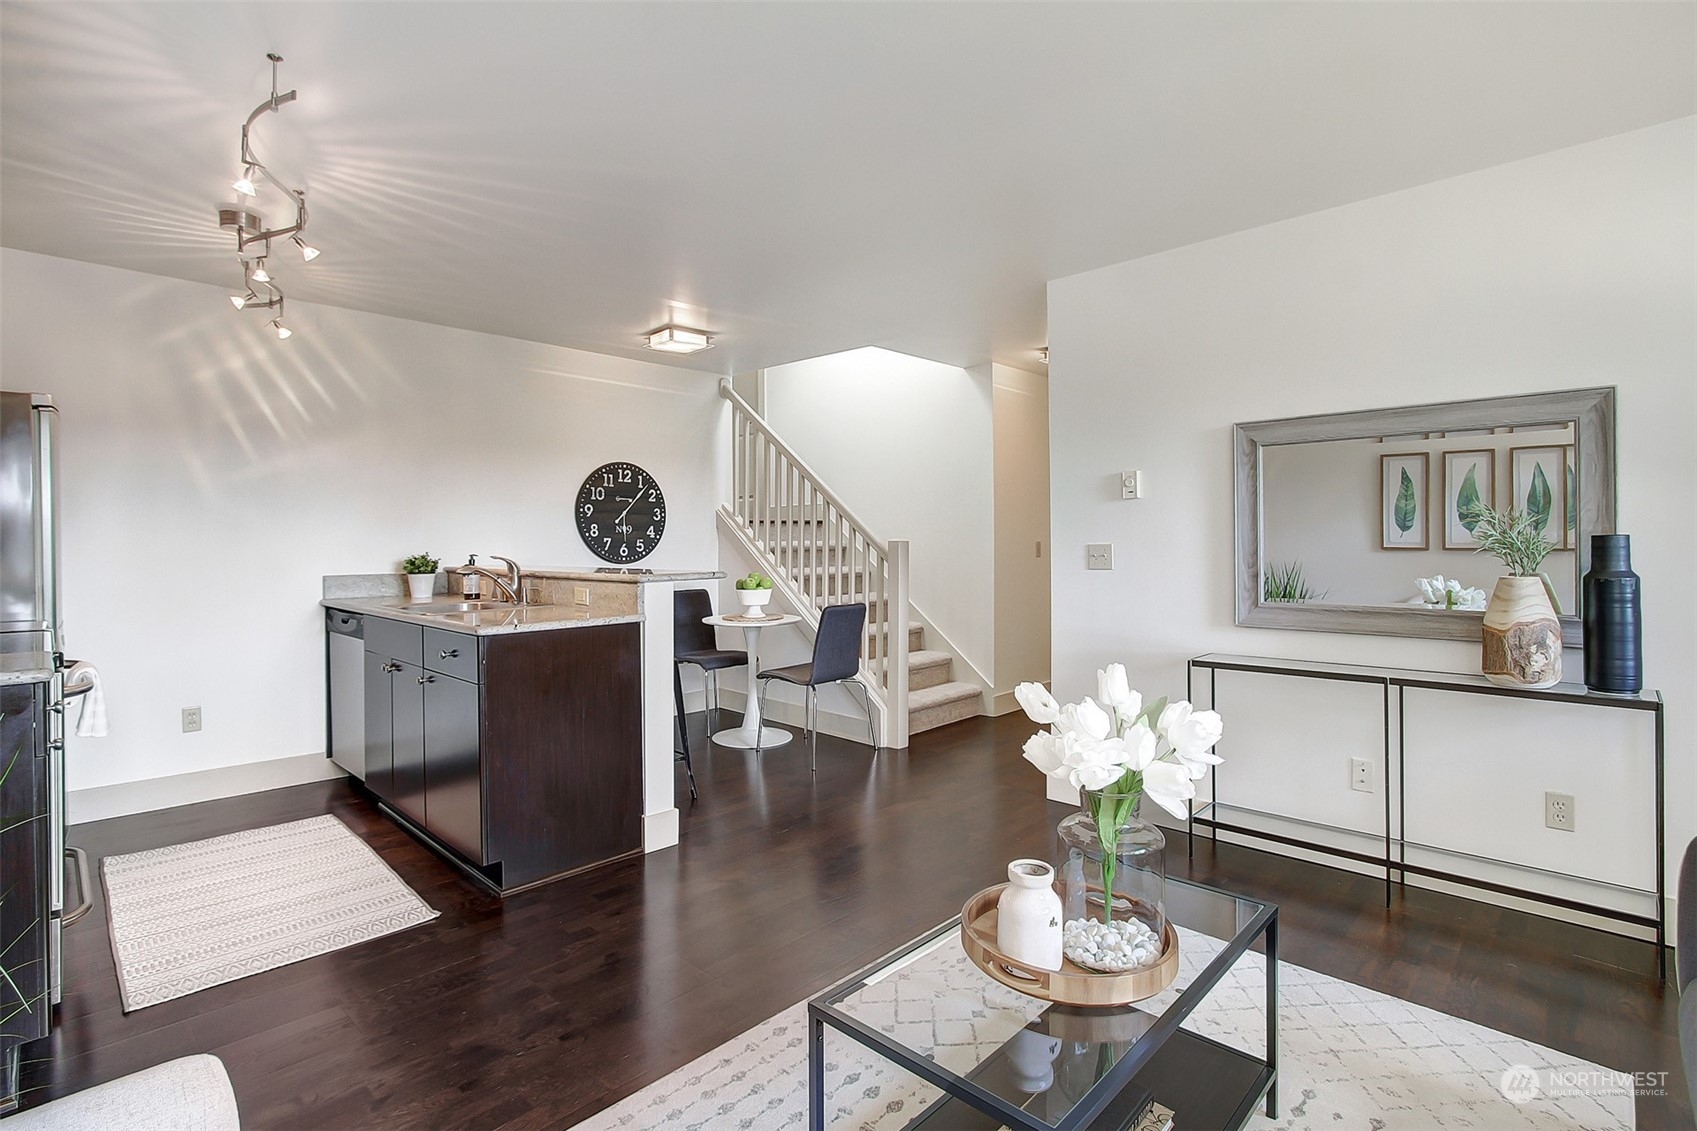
1586 415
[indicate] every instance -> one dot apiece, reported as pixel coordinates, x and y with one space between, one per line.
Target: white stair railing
819 554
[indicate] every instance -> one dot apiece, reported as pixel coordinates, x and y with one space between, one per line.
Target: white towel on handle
92 722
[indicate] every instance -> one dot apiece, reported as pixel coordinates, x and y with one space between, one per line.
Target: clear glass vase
1107 848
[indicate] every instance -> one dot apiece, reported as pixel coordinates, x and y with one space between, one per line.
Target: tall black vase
1614 650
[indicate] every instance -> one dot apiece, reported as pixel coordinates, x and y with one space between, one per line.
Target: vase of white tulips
1115 750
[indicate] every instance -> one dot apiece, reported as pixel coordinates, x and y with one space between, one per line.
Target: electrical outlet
1131 484
1099 555
191 719
1558 811
580 594
1361 775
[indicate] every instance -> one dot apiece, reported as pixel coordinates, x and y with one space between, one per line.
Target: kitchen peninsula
522 741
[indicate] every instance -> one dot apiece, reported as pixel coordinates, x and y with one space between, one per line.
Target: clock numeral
606 543
588 510
597 493
594 530
653 496
624 551
606 480
651 532
624 475
641 546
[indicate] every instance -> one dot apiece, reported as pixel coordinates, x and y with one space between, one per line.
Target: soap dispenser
471 582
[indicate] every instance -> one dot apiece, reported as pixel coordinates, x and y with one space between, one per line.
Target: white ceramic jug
1028 916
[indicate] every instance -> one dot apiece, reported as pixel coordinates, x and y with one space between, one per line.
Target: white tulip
1196 734
1116 692
1093 763
1168 786
1141 745
1085 718
1172 715
1044 751
1038 704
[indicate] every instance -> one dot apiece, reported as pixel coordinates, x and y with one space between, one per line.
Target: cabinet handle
450 653
391 667
427 679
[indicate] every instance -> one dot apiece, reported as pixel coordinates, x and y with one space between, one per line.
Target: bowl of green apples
754 591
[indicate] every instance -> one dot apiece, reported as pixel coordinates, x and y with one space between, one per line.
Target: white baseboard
124 798
659 830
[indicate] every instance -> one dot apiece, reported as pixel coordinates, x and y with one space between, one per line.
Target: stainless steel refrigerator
29 615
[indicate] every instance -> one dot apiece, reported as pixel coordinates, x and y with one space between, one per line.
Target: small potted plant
421 576
754 591
1521 641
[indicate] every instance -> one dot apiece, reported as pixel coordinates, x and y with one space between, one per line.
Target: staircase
817 553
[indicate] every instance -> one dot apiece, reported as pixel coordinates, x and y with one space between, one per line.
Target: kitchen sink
451 608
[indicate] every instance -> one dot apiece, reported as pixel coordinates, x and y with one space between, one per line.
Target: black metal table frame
822 1011
1398 866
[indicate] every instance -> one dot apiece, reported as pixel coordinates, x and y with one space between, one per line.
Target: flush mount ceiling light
249 225
677 339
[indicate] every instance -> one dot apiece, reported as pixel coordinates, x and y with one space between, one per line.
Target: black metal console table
1398 681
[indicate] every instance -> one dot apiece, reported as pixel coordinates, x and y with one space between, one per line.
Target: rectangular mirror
1339 516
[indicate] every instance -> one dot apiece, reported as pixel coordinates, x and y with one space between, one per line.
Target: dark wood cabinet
25 1009
519 753
379 726
452 765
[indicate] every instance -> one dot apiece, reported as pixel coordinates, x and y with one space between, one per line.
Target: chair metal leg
871 737
683 727
713 682
813 730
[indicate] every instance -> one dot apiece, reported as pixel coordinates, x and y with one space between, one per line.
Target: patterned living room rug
1350 1057
196 915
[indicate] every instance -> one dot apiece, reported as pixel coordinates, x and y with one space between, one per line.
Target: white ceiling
800 178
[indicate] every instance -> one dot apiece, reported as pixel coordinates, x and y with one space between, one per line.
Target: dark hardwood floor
540 1009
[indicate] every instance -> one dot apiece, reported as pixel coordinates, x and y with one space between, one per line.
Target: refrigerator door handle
85 890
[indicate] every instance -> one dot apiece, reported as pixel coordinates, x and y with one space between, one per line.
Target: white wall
1574 268
1021 407
211 474
1321 506
907 444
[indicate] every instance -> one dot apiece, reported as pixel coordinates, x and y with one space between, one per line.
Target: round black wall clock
621 513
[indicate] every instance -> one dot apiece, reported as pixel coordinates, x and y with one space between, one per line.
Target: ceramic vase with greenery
421 576
1521 641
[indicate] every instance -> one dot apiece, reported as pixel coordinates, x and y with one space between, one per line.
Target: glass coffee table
926 1010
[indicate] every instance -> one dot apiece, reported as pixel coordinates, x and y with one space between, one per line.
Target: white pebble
1124 944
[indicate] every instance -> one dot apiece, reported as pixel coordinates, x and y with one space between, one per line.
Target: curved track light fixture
249 225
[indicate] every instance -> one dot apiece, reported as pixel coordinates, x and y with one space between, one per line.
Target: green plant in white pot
1521 641
754 591
421 576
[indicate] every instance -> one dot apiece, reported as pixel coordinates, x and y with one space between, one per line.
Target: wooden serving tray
1071 984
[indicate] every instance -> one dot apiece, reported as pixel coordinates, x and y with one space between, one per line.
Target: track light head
282 330
308 252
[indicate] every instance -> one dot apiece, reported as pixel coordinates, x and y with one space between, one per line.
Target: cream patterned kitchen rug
197 915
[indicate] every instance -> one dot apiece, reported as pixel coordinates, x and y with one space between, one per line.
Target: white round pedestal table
751 735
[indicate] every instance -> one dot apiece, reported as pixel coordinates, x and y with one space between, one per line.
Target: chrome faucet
515 580
510 586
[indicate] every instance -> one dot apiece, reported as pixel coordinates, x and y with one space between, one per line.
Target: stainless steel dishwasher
346 635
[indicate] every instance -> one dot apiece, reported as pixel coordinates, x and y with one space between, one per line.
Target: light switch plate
1099 555
1131 484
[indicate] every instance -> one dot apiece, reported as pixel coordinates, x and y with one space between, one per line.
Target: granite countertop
627 577
26 667
483 622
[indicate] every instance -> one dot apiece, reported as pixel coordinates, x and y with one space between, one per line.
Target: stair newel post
896 611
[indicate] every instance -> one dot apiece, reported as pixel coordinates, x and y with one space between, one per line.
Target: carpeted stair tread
928 669
932 707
